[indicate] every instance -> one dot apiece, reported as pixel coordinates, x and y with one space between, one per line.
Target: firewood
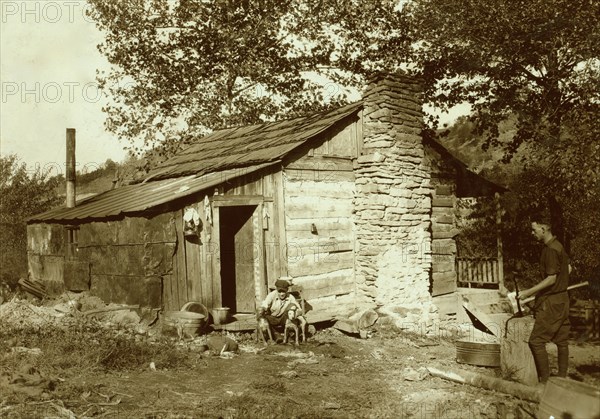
489 383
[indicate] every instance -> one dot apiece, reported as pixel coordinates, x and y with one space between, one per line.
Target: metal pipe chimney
70 169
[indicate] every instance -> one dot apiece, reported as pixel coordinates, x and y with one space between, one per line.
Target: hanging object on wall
266 217
207 210
191 223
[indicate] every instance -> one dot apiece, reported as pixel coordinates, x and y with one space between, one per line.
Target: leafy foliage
24 193
182 68
362 37
528 69
536 60
531 193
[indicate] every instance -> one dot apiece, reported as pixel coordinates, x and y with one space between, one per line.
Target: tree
535 59
181 68
23 195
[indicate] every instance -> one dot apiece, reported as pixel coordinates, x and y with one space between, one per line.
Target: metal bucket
220 315
567 398
188 323
484 354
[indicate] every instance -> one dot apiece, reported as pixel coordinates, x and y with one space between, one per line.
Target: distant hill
104 178
461 140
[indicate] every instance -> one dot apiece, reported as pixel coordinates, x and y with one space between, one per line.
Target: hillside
461 140
107 176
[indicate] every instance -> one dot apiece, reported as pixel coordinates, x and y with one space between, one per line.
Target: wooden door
244 267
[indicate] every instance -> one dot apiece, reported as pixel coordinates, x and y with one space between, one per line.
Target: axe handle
569 288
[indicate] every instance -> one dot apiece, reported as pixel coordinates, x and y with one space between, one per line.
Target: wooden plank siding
256 189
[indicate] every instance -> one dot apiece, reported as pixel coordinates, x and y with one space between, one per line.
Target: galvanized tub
484 354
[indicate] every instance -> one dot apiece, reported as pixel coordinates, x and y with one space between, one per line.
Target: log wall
318 189
443 224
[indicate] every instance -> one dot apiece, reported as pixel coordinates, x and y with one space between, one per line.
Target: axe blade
514 303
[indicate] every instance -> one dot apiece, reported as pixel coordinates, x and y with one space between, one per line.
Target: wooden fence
477 272
585 320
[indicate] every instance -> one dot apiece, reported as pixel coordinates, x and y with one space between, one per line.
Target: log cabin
352 205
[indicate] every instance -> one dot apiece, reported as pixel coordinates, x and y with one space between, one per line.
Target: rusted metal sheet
52 273
77 275
98 233
142 290
46 239
158 229
134 199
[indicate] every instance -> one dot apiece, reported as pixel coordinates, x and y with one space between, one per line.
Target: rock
28 351
410 374
289 374
295 362
358 322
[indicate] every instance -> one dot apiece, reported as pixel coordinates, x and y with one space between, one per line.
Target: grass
88 347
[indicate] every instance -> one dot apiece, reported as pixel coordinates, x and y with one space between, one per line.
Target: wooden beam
322 163
279 218
359 133
182 295
443 190
261 288
499 244
215 242
442 201
238 200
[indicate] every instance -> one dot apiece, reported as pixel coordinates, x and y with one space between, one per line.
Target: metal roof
253 144
142 196
214 159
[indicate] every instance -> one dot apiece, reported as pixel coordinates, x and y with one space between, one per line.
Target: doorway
238 255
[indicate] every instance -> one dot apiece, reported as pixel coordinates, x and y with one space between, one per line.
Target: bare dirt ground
331 376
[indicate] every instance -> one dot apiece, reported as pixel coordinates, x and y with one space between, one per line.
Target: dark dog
297 323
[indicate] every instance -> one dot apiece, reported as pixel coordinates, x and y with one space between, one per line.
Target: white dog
295 321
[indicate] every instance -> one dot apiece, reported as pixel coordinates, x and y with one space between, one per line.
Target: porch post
499 244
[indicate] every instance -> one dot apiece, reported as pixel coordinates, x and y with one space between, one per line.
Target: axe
515 304
513 298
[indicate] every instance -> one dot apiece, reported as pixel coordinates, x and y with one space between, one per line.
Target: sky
48 64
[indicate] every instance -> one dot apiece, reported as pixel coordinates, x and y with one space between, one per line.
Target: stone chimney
393 204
